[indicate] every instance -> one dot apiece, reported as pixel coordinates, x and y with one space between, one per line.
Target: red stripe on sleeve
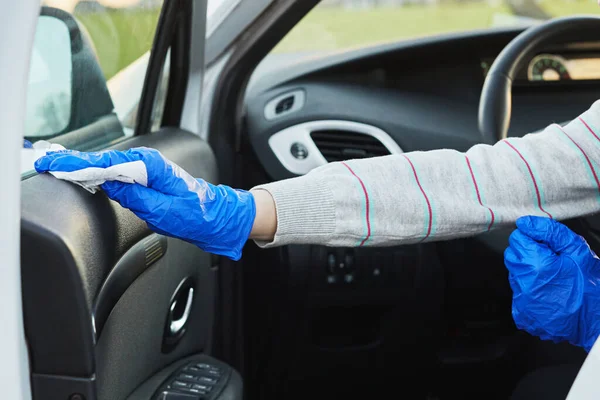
537 190
424 195
584 154
479 195
367 204
589 129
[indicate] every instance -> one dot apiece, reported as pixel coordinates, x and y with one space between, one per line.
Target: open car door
113 311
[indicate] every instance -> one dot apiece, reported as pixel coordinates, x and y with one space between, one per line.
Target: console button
188 377
331 263
213 372
349 261
204 366
202 387
180 385
178 396
206 379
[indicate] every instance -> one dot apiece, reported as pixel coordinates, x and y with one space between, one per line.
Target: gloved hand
555 278
218 219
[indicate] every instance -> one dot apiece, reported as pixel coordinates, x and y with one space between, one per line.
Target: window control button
180 385
187 377
214 372
166 395
202 387
207 379
204 366
192 371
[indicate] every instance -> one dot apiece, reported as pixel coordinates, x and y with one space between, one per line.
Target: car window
50 80
343 24
120 34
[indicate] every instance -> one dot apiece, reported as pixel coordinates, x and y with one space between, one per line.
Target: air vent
338 145
284 105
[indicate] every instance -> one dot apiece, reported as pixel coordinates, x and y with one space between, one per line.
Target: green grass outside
559 8
122 36
337 28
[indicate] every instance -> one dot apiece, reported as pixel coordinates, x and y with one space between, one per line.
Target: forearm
265 222
443 194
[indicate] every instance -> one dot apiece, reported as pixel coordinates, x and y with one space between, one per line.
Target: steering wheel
495 103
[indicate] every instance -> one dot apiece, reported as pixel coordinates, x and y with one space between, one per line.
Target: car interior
114 311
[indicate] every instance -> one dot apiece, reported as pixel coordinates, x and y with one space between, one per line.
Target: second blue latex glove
218 219
555 278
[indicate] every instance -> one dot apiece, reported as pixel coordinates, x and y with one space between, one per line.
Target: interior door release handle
176 325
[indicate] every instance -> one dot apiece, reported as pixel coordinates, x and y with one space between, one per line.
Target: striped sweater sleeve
443 194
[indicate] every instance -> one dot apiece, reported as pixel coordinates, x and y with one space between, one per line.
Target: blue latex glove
27 144
555 278
218 219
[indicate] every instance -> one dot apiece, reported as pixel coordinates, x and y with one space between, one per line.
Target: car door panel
129 348
98 284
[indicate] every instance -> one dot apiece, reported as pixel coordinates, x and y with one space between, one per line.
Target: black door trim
129 267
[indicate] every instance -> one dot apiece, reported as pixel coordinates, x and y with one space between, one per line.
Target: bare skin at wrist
265 223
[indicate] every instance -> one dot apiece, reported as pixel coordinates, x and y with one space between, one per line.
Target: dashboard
304 111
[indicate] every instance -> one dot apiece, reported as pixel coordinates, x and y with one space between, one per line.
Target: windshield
343 24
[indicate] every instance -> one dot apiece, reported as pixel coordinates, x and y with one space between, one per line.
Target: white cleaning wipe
91 178
30 155
46 146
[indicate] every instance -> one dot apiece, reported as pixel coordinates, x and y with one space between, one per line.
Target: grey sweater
443 194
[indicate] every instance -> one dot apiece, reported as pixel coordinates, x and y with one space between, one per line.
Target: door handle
178 314
177 324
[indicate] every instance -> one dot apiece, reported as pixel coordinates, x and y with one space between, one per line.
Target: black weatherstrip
180 66
165 32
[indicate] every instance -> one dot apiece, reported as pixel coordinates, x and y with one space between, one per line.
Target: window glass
343 24
158 107
50 83
121 30
87 71
120 34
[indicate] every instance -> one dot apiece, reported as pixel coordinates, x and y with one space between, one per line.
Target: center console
354 315
198 377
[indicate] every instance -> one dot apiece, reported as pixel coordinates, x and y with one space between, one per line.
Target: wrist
265 221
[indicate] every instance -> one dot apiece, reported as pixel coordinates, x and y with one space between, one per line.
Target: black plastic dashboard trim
315 63
403 89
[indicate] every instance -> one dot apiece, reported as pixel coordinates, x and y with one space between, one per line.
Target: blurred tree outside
340 24
123 30
120 35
